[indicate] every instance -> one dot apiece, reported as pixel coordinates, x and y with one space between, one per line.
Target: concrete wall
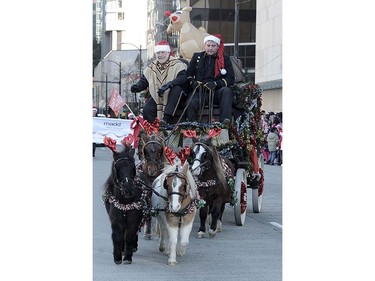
268 60
272 100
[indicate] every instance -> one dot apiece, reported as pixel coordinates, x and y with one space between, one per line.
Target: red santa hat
218 39
163 46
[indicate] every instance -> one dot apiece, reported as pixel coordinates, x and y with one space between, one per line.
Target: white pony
175 193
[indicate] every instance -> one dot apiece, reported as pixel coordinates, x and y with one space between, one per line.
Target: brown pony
152 161
210 172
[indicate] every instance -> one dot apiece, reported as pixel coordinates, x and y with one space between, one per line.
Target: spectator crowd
273 129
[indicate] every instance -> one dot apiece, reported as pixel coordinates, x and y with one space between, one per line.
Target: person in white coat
273 141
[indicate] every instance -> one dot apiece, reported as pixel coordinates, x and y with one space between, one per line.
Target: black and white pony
124 202
175 197
210 171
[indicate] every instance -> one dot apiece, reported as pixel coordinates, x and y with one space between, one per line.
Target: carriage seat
236 112
205 115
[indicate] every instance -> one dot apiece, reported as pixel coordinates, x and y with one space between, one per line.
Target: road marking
276 224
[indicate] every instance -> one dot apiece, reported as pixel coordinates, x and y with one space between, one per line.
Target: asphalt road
249 252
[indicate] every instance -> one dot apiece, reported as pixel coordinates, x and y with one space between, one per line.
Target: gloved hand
134 88
210 85
164 87
193 84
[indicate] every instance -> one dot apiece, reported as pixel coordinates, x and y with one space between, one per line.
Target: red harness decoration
110 143
169 154
128 140
154 127
184 154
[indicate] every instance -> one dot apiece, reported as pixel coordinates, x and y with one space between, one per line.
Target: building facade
268 70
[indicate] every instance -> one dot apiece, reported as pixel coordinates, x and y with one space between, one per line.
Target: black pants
150 109
222 97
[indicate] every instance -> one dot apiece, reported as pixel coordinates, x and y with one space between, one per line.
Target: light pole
106 95
119 74
139 61
236 27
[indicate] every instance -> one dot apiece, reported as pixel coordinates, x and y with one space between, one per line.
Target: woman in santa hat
212 71
165 79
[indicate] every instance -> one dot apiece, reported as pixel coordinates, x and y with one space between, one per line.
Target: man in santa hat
213 72
165 79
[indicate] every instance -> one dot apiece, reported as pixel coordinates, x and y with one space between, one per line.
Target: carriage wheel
257 193
240 186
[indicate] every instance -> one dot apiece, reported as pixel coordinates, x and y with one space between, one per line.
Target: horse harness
211 182
121 183
203 165
189 208
109 197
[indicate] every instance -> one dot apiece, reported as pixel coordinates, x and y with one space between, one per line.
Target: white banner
116 129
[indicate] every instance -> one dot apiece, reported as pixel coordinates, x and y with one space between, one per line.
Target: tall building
98 20
113 25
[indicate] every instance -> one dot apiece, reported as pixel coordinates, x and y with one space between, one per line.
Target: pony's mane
127 152
217 166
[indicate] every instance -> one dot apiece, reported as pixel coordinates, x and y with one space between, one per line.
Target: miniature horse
210 172
153 160
174 192
123 202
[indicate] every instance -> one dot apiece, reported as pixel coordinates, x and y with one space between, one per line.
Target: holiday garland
247 130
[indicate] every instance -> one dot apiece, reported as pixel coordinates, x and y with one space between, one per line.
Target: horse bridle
120 184
202 165
179 175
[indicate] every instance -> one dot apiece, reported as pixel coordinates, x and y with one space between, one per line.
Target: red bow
214 132
169 154
184 154
154 127
110 143
189 133
128 140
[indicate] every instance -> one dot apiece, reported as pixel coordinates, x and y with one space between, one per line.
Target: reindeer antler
154 127
184 154
169 154
110 143
214 132
128 140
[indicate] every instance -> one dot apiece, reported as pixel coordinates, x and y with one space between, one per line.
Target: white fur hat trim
162 48
212 38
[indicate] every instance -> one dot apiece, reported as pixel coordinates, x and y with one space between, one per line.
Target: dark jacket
202 68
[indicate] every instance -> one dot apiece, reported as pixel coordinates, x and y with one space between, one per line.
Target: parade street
249 252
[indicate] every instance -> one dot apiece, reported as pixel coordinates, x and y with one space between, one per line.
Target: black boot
166 119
